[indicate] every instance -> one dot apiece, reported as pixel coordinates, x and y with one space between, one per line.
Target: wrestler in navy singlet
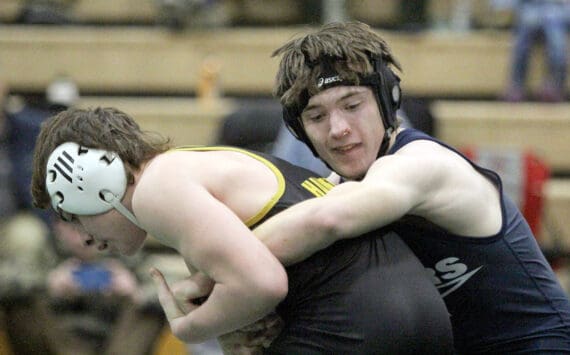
501 292
367 295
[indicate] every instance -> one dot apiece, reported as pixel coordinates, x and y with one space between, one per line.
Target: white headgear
86 181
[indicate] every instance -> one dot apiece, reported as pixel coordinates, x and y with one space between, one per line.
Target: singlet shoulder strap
278 175
406 136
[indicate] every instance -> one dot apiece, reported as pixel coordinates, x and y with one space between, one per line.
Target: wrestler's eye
352 106
313 117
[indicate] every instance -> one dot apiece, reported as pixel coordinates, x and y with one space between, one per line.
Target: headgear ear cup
85 181
388 92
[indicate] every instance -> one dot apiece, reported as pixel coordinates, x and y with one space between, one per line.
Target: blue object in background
92 277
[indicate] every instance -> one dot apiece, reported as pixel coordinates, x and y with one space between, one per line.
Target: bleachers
156 60
184 120
555 235
539 127
267 12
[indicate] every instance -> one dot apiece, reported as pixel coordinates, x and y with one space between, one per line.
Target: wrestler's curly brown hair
100 128
347 45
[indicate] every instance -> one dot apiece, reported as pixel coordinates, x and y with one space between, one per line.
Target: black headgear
384 83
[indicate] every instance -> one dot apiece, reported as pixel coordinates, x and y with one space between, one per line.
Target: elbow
281 286
330 226
270 289
273 289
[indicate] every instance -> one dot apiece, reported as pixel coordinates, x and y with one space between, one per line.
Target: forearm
226 309
347 211
298 232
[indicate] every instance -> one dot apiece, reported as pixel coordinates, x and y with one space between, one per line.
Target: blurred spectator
253 125
24 238
454 15
538 21
61 94
25 255
413 15
23 122
45 12
7 201
86 293
180 14
257 125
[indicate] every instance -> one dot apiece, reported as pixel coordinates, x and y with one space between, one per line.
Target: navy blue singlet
502 294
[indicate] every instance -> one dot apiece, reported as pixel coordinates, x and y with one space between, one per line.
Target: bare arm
424 180
347 211
249 280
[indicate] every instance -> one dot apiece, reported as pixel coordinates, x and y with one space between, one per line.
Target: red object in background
523 174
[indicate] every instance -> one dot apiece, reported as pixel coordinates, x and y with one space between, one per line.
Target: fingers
167 300
196 286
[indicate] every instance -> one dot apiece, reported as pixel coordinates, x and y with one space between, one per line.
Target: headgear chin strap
86 181
384 83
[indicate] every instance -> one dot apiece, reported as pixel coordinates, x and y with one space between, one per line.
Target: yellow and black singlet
295 184
365 295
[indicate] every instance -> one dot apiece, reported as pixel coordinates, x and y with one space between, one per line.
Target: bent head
83 164
338 55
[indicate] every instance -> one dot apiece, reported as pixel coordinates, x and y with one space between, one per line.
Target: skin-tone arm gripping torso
416 180
199 211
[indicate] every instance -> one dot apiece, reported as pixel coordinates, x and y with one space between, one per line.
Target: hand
192 291
253 338
167 300
123 281
60 282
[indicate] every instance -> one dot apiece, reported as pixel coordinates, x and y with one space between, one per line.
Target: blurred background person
538 21
87 291
25 251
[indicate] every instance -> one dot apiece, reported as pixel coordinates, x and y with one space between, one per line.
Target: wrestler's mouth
346 148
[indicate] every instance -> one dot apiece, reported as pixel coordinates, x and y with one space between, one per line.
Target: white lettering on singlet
448 275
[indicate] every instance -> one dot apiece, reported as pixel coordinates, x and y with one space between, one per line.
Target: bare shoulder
237 180
423 147
174 165
429 156
174 170
170 161
455 194
169 195
421 158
